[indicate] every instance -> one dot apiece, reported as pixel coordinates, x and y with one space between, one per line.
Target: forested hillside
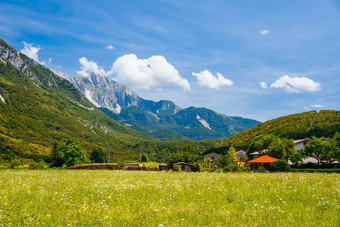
38 108
296 126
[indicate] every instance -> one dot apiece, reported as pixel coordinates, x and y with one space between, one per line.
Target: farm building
212 156
300 144
263 160
183 166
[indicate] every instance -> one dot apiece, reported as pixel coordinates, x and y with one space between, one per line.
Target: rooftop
263 159
300 141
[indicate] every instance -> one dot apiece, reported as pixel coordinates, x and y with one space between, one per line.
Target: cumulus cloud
110 47
313 106
89 67
296 84
264 32
146 73
263 85
316 106
206 79
33 52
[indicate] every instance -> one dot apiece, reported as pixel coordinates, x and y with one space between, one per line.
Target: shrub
176 168
261 169
196 168
315 170
15 162
279 166
228 168
36 165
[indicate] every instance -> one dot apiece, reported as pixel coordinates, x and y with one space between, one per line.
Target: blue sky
211 54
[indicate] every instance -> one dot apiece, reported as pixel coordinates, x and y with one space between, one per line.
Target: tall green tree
70 153
335 141
316 148
57 161
145 157
324 148
227 158
98 155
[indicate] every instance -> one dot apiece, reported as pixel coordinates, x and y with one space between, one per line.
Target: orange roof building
263 159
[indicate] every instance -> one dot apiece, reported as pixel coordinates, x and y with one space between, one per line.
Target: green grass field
123 198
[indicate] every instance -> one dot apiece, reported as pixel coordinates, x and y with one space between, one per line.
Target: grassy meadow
123 198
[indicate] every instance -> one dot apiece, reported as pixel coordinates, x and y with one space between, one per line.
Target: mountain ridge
158 119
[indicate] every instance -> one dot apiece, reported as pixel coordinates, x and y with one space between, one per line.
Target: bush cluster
279 166
141 168
98 166
315 170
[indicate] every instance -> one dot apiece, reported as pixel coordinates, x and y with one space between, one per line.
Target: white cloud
32 52
316 106
110 47
206 79
313 106
89 67
146 73
296 84
263 85
264 32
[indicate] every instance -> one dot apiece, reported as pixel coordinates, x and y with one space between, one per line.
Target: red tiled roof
263 159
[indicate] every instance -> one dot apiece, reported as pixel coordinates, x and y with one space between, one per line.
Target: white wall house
300 144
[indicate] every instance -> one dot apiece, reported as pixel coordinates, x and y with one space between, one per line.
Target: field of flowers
124 198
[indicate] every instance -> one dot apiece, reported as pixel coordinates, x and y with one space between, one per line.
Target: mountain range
163 120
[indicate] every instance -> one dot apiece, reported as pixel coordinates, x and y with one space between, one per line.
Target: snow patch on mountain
203 122
2 99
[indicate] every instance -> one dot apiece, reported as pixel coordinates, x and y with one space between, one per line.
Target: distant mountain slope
163 119
295 126
38 108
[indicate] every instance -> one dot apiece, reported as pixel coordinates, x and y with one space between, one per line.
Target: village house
212 156
300 144
183 166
